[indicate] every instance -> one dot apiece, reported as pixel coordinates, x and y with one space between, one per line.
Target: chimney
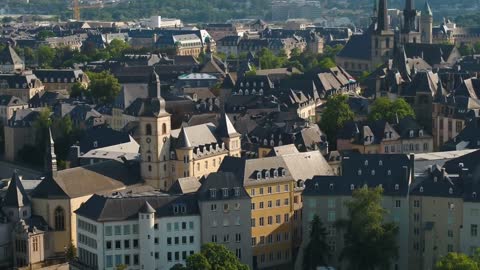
443 173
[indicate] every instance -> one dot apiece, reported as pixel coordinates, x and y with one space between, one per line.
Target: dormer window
389 172
261 91
265 142
183 209
241 84
330 186
359 172
435 179
259 175
225 192
247 92
284 172
352 187
261 84
411 133
272 143
474 195
420 133
316 186
450 191
380 163
267 174
213 193
421 189
397 186
176 209
240 92
275 173
95 144
380 186
366 162
373 172
237 191
254 84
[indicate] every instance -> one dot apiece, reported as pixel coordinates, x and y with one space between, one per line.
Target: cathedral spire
409 15
382 17
50 157
154 85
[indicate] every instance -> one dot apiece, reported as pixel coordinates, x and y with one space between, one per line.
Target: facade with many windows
141 231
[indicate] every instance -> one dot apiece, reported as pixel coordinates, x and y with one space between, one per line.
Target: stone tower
426 24
410 32
382 36
154 129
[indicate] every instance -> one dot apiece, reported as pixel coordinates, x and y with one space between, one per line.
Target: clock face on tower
148 140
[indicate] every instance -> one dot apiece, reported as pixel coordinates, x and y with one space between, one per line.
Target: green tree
117 47
121 267
198 261
316 252
370 242
44 34
457 261
215 257
104 87
70 252
178 266
326 63
269 60
77 90
466 49
336 113
384 108
45 56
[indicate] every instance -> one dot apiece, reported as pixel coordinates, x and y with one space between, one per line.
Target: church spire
50 157
154 85
382 17
409 15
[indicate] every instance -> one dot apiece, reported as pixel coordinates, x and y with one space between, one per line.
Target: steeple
409 15
375 11
427 11
382 17
154 85
225 127
16 196
50 157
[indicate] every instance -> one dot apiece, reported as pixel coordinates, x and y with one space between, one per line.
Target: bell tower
154 131
426 24
382 36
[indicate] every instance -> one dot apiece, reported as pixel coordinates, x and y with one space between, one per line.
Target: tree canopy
457 261
370 242
104 87
386 109
212 257
316 252
336 113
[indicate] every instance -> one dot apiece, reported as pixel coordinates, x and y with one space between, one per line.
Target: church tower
154 136
410 32
426 24
382 36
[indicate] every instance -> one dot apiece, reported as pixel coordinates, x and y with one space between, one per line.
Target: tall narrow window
59 219
164 129
148 129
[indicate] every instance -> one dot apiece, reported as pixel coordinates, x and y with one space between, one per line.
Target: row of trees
337 112
370 242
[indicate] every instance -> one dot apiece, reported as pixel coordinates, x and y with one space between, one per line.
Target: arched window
148 128
164 129
59 219
149 158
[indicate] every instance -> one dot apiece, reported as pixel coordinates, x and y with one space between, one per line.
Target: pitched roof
126 207
185 185
96 178
16 195
146 208
219 181
9 57
225 127
358 47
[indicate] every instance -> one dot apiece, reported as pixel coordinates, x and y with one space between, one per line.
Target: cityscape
242 134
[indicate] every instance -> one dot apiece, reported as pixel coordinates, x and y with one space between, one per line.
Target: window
164 129
238 237
416 203
269 204
450 248
278 219
214 238
254 241
286 218
262 221
252 221
109 262
269 190
135 243
118 230
286 188
261 205
331 216
169 256
286 201
331 203
126 229
127 259
191 239
148 129
177 240
190 225
108 231
278 203
118 244
253 206
59 219
184 239
474 230
397 203
270 220
213 207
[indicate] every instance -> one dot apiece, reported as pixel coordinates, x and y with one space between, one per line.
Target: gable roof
82 181
9 57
